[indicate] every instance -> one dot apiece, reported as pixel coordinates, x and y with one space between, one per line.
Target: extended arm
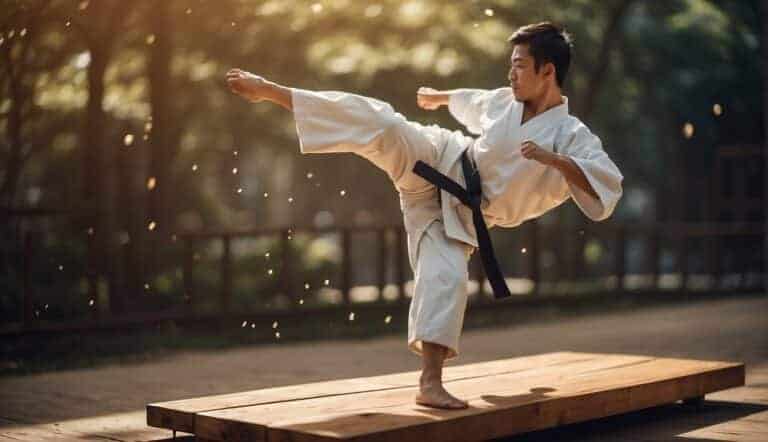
465 105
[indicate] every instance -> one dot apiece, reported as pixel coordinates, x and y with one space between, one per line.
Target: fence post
286 265
683 258
382 238
653 256
189 287
27 304
345 265
92 275
621 239
226 274
533 257
399 262
715 258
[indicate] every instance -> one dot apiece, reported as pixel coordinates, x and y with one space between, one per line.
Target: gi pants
336 122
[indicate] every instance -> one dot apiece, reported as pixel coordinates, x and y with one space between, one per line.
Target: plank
500 404
180 414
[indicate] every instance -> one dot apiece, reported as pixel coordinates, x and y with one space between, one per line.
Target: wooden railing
537 239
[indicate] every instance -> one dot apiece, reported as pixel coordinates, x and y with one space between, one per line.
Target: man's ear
549 68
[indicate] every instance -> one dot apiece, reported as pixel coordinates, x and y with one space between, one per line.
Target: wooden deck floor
507 397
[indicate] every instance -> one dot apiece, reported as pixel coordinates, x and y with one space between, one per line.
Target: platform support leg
695 402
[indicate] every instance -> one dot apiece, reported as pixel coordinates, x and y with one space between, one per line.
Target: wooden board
506 397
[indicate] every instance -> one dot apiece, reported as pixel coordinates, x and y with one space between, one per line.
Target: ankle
430 379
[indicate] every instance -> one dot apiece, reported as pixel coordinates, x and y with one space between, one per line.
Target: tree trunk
159 204
764 20
597 75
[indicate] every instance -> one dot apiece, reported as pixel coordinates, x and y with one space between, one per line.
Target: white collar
549 116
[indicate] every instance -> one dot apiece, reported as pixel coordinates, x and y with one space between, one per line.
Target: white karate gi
441 237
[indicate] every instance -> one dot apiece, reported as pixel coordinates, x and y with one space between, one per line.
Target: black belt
472 197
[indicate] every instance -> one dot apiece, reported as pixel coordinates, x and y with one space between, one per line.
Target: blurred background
136 191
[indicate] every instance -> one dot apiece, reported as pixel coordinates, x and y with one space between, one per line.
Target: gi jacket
514 188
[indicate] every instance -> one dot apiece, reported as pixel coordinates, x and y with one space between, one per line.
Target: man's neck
543 103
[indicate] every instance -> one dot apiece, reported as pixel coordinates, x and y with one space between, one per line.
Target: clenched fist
430 99
533 151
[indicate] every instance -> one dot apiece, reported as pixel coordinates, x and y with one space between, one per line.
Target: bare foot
252 87
433 394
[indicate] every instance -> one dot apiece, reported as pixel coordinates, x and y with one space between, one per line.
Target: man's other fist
430 99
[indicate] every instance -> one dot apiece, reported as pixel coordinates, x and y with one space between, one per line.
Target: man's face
523 78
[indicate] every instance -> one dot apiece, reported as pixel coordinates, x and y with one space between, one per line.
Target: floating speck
91 302
266 255
146 286
253 325
489 12
150 39
61 267
194 167
342 192
269 272
688 130
717 109
151 182
277 335
239 190
244 323
152 225
290 199
317 8
326 282
310 175
523 250
128 139
387 319
266 194
352 316
234 171
301 301
306 286
275 324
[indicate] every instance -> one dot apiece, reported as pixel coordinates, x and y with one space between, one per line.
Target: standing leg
431 390
436 314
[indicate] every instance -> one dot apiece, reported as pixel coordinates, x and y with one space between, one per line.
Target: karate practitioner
530 154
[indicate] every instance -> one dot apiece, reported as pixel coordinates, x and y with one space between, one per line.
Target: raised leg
338 122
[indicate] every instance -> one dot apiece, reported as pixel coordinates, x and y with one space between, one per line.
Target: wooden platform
506 397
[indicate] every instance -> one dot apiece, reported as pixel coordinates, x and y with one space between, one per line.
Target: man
531 154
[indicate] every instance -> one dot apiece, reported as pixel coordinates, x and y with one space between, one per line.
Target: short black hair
547 43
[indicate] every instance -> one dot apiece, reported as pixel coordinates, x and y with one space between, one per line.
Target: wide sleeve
468 105
586 150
